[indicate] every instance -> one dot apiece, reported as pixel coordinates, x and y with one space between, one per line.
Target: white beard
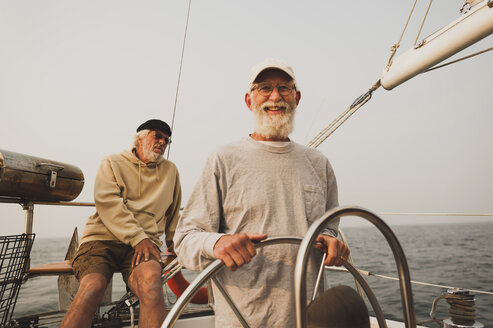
269 126
148 151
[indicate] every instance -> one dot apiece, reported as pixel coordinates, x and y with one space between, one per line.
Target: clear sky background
78 77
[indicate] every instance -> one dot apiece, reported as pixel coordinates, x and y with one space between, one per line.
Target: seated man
138 196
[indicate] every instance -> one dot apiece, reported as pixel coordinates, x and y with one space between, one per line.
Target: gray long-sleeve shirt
252 187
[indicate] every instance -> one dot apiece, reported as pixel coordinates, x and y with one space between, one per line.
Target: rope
170 270
332 127
179 73
469 4
368 274
394 48
422 23
132 317
461 307
458 60
167 295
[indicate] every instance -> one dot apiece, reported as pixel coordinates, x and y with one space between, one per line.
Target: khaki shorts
105 257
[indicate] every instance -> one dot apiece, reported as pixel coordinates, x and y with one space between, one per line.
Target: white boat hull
208 322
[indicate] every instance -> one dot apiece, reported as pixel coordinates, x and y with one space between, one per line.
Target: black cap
155 124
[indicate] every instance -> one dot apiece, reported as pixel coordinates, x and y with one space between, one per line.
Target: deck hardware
54 168
462 309
53 179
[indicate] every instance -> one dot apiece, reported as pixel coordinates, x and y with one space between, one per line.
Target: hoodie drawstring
139 178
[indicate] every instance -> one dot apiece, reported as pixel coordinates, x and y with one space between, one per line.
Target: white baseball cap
270 63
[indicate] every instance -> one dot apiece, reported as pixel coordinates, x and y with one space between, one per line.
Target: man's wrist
210 242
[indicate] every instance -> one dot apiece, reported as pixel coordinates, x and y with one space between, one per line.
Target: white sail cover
468 29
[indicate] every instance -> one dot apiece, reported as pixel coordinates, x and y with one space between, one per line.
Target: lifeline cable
369 273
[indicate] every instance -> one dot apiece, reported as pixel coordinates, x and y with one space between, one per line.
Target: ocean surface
457 255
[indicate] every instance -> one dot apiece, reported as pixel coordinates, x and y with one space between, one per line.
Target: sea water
457 255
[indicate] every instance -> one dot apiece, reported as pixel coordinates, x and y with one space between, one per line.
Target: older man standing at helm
138 196
263 185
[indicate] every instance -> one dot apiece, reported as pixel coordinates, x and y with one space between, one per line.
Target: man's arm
197 231
111 207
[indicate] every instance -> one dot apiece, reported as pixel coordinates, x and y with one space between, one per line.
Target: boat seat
52 269
67 284
65 267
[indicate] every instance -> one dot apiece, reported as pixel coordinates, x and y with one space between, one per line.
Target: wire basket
14 263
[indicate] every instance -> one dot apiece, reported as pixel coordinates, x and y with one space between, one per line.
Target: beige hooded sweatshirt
134 201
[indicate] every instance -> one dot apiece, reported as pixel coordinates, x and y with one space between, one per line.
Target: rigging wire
458 60
359 102
422 23
179 72
394 48
343 117
317 114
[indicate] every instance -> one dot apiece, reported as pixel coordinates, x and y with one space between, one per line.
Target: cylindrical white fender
458 35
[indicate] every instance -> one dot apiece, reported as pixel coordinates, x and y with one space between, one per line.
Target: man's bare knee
88 297
146 282
92 287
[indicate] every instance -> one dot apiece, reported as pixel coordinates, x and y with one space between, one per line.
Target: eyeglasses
159 136
265 89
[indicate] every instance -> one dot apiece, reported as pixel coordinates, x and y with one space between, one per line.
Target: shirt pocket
314 202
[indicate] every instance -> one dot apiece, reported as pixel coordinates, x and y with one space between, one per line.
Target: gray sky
78 77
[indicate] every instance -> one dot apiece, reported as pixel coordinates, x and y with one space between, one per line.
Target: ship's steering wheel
306 244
